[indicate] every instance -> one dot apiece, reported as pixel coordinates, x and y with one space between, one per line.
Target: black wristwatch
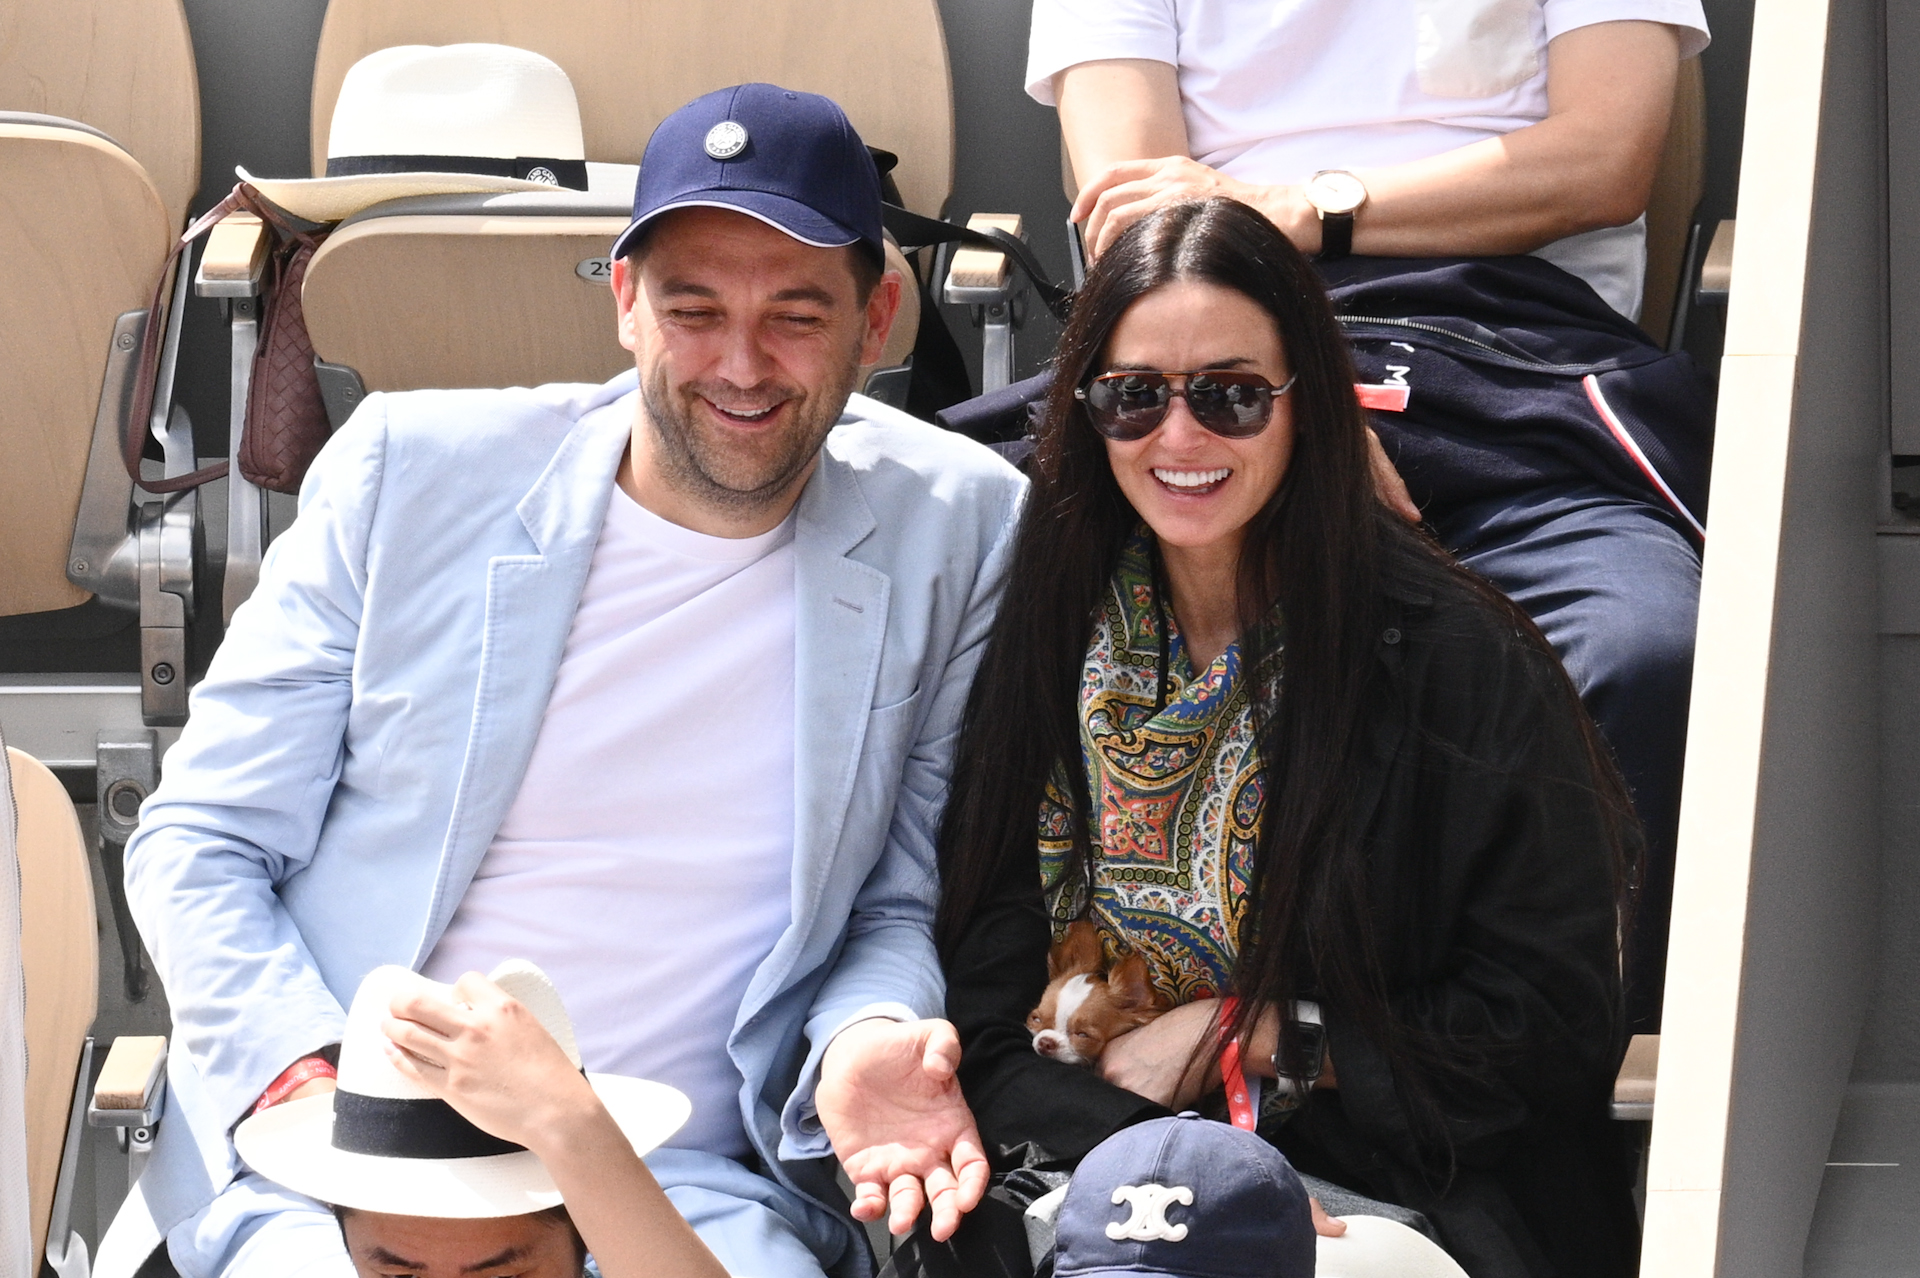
1304 1027
1337 195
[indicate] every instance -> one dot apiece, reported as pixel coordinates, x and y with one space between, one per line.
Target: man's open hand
893 1110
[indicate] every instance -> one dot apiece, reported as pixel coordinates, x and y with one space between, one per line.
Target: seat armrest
1716 269
235 258
984 278
979 276
1634 1087
131 1089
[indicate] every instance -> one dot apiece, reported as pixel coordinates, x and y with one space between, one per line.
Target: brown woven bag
286 422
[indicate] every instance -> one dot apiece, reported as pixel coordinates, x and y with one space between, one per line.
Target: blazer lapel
840 611
530 604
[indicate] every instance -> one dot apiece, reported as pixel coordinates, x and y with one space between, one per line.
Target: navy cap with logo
1185 1197
790 159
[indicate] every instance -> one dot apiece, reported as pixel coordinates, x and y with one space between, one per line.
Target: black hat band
567 173
387 1127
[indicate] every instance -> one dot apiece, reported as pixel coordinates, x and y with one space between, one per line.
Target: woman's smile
1193 483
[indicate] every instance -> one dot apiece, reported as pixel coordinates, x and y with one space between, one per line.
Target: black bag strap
912 231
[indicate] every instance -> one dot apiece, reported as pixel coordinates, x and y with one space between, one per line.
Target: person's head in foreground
1184 1197
1188 1198
751 289
420 1189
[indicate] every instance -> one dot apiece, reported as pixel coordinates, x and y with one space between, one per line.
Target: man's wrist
1288 208
851 1033
576 1123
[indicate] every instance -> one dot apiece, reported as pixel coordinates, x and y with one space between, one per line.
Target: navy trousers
1615 586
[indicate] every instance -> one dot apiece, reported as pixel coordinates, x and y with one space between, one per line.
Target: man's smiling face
536 1246
748 343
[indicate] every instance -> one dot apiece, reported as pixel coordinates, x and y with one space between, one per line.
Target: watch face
1336 191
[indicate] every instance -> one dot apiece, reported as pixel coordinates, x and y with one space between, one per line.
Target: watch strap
1336 236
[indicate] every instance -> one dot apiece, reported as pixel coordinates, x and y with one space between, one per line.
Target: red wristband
296 1075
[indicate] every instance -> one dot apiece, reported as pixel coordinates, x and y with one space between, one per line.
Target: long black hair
1322 551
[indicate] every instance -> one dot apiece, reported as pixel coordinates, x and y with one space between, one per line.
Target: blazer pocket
1475 48
890 728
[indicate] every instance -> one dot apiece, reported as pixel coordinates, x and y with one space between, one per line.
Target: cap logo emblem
541 173
1148 1223
726 140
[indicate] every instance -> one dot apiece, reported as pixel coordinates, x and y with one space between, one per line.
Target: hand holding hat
399 1134
488 1055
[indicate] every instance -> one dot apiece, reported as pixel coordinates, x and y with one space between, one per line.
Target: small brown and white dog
1087 1005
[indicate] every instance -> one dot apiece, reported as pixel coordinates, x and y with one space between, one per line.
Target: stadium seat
99 156
444 264
53 938
60 964
500 290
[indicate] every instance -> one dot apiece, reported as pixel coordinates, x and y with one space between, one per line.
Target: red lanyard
1239 1098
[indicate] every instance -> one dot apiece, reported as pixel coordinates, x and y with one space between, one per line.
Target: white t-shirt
1276 90
646 863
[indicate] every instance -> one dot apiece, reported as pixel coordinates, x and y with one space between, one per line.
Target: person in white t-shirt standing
653 683
1436 129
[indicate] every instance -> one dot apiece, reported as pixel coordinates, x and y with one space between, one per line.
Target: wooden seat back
59 953
414 301
123 66
634 62
1677 188
83 238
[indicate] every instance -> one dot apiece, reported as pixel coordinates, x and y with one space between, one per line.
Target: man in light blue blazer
455 720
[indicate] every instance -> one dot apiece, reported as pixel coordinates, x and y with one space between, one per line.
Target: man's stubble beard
737 481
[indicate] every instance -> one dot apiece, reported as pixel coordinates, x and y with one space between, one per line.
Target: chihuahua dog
1086 1006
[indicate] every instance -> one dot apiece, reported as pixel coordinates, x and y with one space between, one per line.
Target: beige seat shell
83 236
634 62
1677 187
123 66
415 301
437 300
59 955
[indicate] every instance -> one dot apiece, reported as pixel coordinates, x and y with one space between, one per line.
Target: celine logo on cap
1148 1223
726 140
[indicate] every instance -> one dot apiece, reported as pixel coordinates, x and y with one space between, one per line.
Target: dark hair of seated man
542 1244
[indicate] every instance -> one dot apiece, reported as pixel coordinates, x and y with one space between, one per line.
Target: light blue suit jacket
366 724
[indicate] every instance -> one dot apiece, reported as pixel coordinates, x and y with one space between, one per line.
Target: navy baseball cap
1188 1198
790 159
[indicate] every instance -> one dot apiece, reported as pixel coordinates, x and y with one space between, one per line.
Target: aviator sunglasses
1129 406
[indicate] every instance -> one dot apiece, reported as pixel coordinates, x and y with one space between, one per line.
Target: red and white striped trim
1607 415
1383 397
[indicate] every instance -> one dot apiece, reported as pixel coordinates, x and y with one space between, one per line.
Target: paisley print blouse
1176 793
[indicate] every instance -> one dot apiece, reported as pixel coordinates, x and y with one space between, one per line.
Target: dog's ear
1077 951
1129 985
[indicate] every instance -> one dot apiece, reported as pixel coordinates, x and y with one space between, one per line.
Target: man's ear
626 296
1077 951
883 307
1129 985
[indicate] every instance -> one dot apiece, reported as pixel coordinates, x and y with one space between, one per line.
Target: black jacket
1491 886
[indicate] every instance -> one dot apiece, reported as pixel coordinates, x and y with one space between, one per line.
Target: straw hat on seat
453 119
383 1143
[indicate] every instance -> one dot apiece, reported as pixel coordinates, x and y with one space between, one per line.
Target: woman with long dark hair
1262 732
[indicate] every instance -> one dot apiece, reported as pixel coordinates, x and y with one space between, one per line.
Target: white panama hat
382 1143
451 119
